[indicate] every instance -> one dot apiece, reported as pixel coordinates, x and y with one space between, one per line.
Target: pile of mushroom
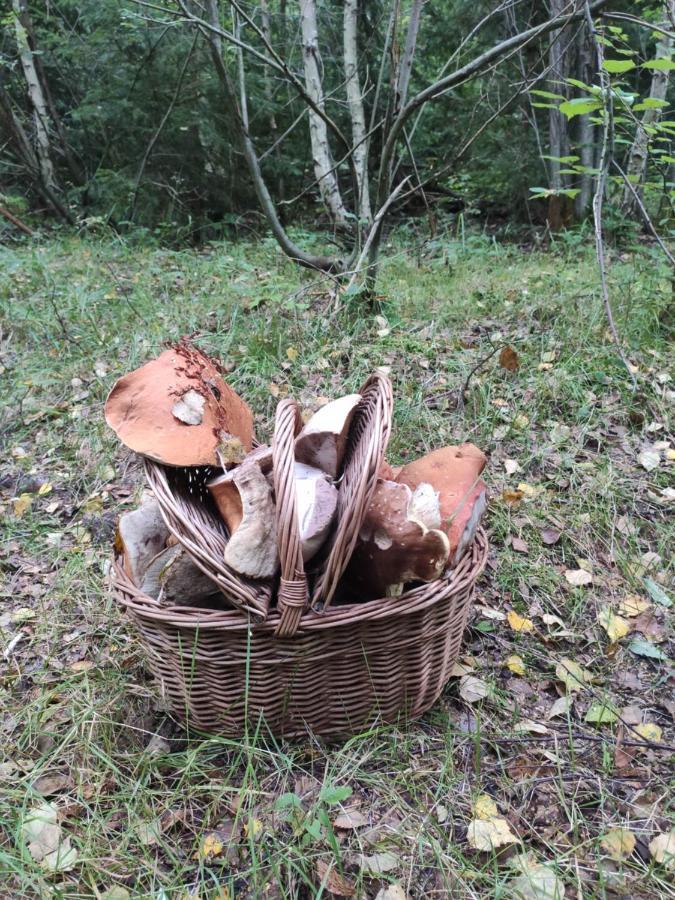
179 411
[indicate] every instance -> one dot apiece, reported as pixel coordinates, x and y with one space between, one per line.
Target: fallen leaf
538 882
657 593
209 847
529 490
550 536
528 725
116 893
332 880
572 675
618 843
521 421
47 785
350 819
646 648
485 807
486 835
512 466
46 843
472 689
519 545
253 828
649 459
508 359
632 605
512 498
292 353
515 664
578 577
650 732
45 488
561 707
22 504
614 625
190 408
662 849
379 863
601 714
560 433
391 892
519 623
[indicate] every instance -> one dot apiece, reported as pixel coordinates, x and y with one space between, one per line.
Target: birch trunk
356 111
324 169
557 123
35 95
636 168
586 133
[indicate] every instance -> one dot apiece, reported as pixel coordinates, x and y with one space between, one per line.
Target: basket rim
347 615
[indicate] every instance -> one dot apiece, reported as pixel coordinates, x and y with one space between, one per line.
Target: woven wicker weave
343 671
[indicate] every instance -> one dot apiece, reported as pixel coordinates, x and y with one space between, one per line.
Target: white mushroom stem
316 500
323 440
252 547
142 534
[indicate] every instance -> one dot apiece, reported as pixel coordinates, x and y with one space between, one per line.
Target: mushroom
173 578
178 411
316 500
398 542
453 472
323 440
225 493
252 547
141 534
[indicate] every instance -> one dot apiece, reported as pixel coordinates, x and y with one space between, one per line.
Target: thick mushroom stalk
316 501
179 411
454 472
244 498
141 535
323 440
396 543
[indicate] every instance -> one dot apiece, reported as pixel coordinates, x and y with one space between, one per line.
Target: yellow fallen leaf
618 843
670 454
21 504
485 807
614 625
650 732
488 835
292 353
632 605
519 623
572 675
512 498
515 664
529 490
45 488
521 421
210 846
578 577
253 828
662 849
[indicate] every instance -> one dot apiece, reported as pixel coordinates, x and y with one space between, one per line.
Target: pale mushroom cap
157 409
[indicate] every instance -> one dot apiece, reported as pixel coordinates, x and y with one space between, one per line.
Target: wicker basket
344 670
306 664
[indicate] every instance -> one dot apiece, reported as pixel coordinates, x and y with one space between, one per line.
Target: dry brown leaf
550 536
519 545
47 785
332 880
508 359
472 689
350 819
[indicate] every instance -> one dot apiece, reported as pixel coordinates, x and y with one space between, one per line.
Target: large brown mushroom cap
177 409
455 473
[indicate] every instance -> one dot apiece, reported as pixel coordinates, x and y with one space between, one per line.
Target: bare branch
645 215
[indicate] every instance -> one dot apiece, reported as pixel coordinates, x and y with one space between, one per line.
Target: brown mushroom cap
453 472
177 409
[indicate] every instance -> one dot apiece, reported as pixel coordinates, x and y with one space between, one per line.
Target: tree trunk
269 99
586 133
324 169
636 167
356 111
35 95
557 123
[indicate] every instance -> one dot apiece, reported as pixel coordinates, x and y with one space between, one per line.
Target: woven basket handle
293 595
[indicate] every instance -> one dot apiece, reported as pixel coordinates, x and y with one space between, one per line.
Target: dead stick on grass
16 221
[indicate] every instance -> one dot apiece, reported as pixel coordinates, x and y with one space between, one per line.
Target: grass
156 813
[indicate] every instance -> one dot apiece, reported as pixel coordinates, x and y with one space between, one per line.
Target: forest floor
556 735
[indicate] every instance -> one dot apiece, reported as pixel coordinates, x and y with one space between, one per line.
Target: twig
15 221
645 214
479 365
598 197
